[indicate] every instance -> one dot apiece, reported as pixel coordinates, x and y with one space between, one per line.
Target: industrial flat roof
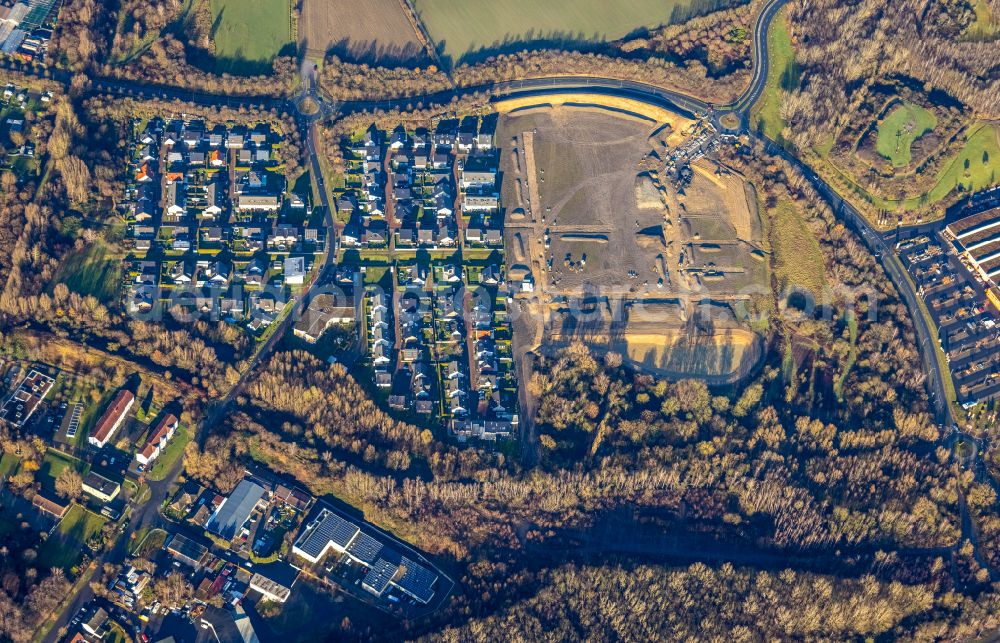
330 528
381 572
416 580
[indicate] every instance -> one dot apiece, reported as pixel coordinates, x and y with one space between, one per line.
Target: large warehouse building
978 238
331 532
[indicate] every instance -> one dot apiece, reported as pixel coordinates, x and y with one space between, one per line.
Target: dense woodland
844 48
167 62
647 603
83 37
781 465
348 81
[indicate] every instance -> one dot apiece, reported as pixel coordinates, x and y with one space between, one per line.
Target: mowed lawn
64 547
976 167
463 27
249 34
896 134
782 76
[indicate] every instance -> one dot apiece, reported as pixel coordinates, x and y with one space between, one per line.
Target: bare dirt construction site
615 255
374 31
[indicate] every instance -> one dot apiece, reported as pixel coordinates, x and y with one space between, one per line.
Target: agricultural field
904 125
249 34
590 219
464 29
376 31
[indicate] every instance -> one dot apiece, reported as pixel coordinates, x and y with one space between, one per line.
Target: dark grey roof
381 571
183 546
223 624
365 548
416 580
235 509
331 528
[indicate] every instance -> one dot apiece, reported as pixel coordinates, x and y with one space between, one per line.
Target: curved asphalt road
644 92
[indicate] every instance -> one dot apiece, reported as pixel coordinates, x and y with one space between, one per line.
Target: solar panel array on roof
235 510
416 580
365 548
384 563
330 529
380 573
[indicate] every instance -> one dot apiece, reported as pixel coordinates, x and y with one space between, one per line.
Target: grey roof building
234 511
385 566
327 531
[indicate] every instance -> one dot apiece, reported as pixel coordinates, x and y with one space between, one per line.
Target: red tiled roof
49 506
111 415
161 430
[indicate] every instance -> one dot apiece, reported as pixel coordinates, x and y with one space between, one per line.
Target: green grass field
987 24
53 464
92 271
904 124
782 76
975 167
798 260
64 547
464 27
249 34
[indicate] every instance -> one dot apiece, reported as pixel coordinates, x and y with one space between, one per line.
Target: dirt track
588 229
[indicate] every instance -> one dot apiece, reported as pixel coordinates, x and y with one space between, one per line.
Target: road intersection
311 108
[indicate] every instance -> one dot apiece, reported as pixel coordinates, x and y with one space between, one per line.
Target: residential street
148 514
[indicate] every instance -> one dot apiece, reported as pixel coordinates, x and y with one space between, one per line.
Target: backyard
55 463
65 546
249 34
